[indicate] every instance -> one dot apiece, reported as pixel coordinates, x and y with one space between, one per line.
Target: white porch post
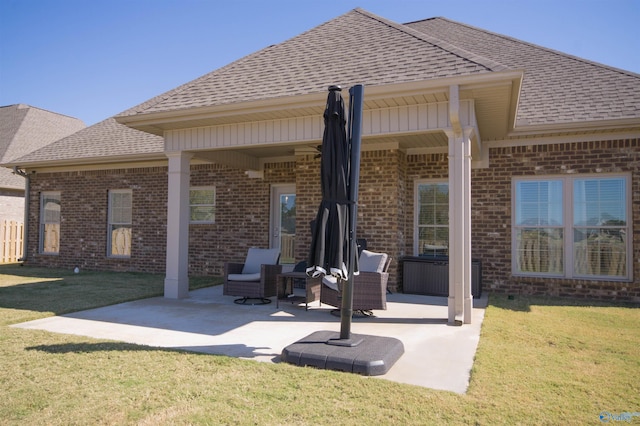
456 229
460 302
176 282
468 299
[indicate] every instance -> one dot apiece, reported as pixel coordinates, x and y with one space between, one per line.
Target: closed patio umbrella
333 248
333 243
329 252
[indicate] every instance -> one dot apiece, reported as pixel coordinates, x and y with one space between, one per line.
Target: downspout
25 227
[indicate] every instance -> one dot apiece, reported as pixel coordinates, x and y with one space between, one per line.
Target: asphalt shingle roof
557 88
24 129
107 138
359 47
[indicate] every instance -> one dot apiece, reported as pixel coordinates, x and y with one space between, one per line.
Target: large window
119 226
539 225
572 226
600 227
50 222
202 205
431 218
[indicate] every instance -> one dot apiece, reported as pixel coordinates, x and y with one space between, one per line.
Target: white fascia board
158 121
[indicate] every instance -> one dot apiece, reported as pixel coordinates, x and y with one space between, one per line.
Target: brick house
543 150
23 129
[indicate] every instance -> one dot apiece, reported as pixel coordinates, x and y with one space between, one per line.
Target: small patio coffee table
285 284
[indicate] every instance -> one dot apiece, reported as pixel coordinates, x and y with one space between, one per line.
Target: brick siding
491 212
83 223
491 209
385 211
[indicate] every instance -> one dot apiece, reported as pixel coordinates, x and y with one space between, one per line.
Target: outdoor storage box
429 275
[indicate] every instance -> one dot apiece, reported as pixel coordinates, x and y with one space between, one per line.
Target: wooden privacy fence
10 241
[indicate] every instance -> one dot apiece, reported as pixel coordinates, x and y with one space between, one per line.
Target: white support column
460 302
456 229
468 298
176 282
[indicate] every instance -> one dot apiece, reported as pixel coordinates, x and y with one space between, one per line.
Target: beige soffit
312 104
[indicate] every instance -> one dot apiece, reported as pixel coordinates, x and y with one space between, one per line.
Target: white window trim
567 215
42 223
109 223
204 222
416 209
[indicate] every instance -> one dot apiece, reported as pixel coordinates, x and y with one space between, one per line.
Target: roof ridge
23 106
537 46
444 45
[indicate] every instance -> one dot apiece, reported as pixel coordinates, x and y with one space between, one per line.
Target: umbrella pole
348 352
356 95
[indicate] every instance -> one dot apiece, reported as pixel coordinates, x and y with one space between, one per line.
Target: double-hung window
119 223
572 227
431 218
50 222
202 205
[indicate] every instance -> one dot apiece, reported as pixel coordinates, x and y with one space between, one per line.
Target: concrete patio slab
436 355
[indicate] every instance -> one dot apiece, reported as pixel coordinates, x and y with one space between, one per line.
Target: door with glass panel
283 221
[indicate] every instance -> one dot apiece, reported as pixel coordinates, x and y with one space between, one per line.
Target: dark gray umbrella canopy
330 243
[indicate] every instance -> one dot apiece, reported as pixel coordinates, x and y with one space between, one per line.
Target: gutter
25 229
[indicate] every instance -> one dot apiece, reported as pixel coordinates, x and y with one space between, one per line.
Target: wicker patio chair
255 279
369 286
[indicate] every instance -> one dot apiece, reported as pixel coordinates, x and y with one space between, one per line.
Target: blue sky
92 59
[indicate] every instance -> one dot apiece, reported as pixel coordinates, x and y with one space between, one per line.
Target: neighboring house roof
24 129
106 140
359 47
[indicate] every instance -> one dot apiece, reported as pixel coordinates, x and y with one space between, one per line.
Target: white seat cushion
244 277
372 262
331 282
257 257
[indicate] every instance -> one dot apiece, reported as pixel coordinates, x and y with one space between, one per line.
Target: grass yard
539 361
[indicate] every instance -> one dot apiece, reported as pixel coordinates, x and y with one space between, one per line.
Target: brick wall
385 211
83 226
242 215
491 211
380 205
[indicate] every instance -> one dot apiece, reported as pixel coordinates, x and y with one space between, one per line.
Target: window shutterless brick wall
83 223
385 211
491 209
491 212
242 215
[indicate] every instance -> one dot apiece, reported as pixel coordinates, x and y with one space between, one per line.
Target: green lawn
539 361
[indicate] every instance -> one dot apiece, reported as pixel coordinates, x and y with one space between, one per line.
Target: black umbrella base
361 354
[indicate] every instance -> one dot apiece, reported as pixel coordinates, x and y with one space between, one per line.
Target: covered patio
418 122
437 355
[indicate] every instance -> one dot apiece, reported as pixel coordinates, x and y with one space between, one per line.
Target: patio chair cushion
331 282
369 262
257 257
372 262
244 277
